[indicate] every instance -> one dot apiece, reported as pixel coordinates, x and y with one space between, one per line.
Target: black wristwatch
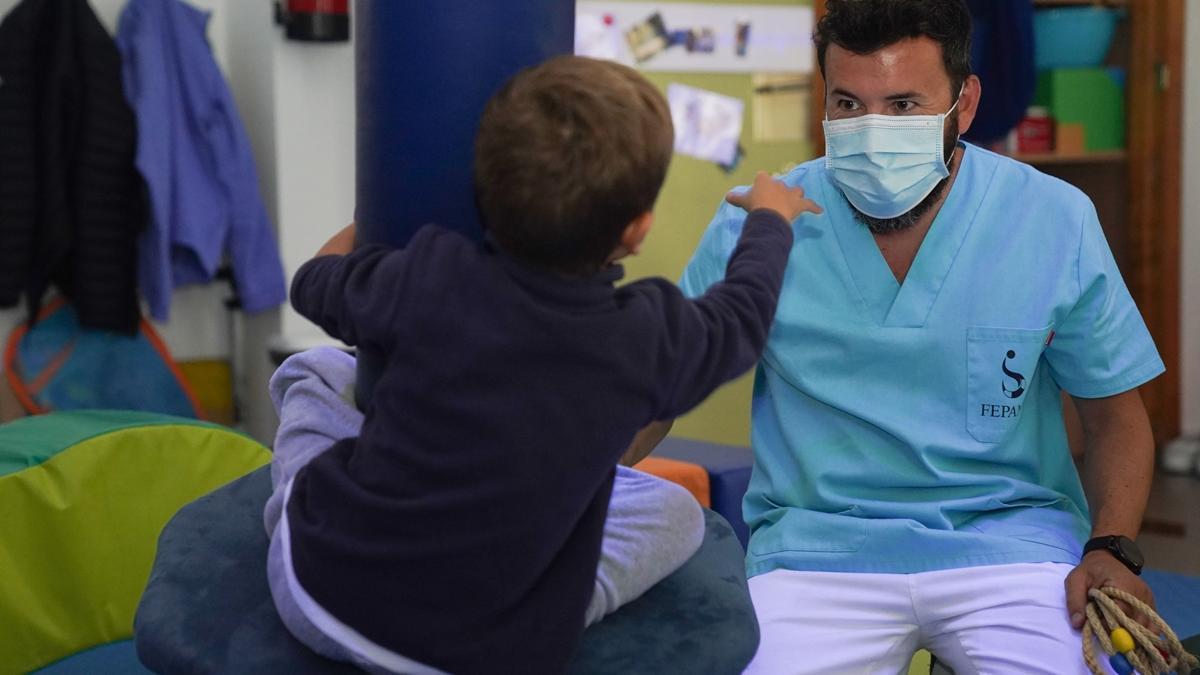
1121 547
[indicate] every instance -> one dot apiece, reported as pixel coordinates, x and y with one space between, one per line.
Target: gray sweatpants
653 526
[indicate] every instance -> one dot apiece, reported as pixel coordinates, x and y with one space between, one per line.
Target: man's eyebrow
901 96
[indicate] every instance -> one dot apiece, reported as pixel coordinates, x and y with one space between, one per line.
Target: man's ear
635 232
968 104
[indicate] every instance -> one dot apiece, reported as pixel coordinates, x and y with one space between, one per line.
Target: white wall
250 36
1190 282
297 101
315 125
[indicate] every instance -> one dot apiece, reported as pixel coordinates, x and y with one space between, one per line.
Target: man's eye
847 105
905 106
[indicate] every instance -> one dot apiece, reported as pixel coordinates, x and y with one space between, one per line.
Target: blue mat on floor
1178 600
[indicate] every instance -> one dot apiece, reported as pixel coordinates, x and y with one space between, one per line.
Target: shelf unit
1050 158
1076 3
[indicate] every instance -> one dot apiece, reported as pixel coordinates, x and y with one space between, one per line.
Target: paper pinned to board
780 106
597 36
707 124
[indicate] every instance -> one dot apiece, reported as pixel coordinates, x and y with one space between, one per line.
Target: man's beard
910 218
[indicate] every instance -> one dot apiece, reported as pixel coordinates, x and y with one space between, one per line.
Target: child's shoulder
431 255
434 234
433 242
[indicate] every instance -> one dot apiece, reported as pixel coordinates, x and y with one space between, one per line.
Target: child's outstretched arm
721 334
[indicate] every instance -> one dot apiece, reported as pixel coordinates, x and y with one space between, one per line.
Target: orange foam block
693 477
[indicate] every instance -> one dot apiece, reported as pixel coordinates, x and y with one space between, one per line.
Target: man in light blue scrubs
912 484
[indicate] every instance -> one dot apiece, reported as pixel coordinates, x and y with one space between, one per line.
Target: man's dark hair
568 154
865 26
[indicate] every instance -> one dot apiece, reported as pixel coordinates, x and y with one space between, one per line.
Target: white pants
995 619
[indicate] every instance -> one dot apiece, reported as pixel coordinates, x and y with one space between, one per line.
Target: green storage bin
1092 97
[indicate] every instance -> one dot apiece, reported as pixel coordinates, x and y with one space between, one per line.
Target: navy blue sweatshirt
462 528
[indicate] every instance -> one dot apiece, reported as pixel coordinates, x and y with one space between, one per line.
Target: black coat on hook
71 200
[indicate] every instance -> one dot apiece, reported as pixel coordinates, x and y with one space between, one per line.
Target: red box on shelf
1035 133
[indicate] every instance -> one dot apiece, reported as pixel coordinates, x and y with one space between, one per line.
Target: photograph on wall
741 36
703 40
648 37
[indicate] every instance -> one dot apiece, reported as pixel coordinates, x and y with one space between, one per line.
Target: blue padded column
424 72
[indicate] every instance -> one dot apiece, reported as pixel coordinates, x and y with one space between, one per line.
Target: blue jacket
195 157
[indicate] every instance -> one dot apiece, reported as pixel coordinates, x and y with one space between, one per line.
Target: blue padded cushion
728 469
207 607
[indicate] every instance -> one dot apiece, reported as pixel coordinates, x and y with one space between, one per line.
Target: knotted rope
1130 645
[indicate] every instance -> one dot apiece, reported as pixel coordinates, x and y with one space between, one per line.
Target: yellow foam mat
80 531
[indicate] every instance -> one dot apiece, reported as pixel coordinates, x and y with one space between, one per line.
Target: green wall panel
693 190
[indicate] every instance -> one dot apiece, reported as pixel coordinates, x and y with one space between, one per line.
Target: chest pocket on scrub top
1000 366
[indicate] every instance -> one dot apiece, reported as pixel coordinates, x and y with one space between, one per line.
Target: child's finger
738 199
811 206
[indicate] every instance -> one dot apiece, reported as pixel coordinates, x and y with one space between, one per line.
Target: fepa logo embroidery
1016 377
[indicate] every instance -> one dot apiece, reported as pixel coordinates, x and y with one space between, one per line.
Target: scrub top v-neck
886 300
917 426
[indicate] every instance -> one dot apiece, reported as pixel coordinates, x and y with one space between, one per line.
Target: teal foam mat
1178 600
114 658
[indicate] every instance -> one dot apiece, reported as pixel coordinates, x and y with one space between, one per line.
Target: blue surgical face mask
886 164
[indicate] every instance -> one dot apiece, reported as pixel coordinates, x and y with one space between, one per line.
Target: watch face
1130 551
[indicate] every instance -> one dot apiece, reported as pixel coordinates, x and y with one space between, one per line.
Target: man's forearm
1118 462
645 441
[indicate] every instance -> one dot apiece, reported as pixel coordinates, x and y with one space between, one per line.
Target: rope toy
1129 645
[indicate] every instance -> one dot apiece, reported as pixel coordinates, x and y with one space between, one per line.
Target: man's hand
1099 569
340 243
768 193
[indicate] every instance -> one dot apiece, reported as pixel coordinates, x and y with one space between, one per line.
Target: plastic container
1073 37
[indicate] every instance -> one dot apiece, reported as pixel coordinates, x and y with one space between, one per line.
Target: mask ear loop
957 138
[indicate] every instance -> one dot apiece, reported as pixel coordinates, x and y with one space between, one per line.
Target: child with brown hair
477 520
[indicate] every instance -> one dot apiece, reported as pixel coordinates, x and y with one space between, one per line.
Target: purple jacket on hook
196 159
